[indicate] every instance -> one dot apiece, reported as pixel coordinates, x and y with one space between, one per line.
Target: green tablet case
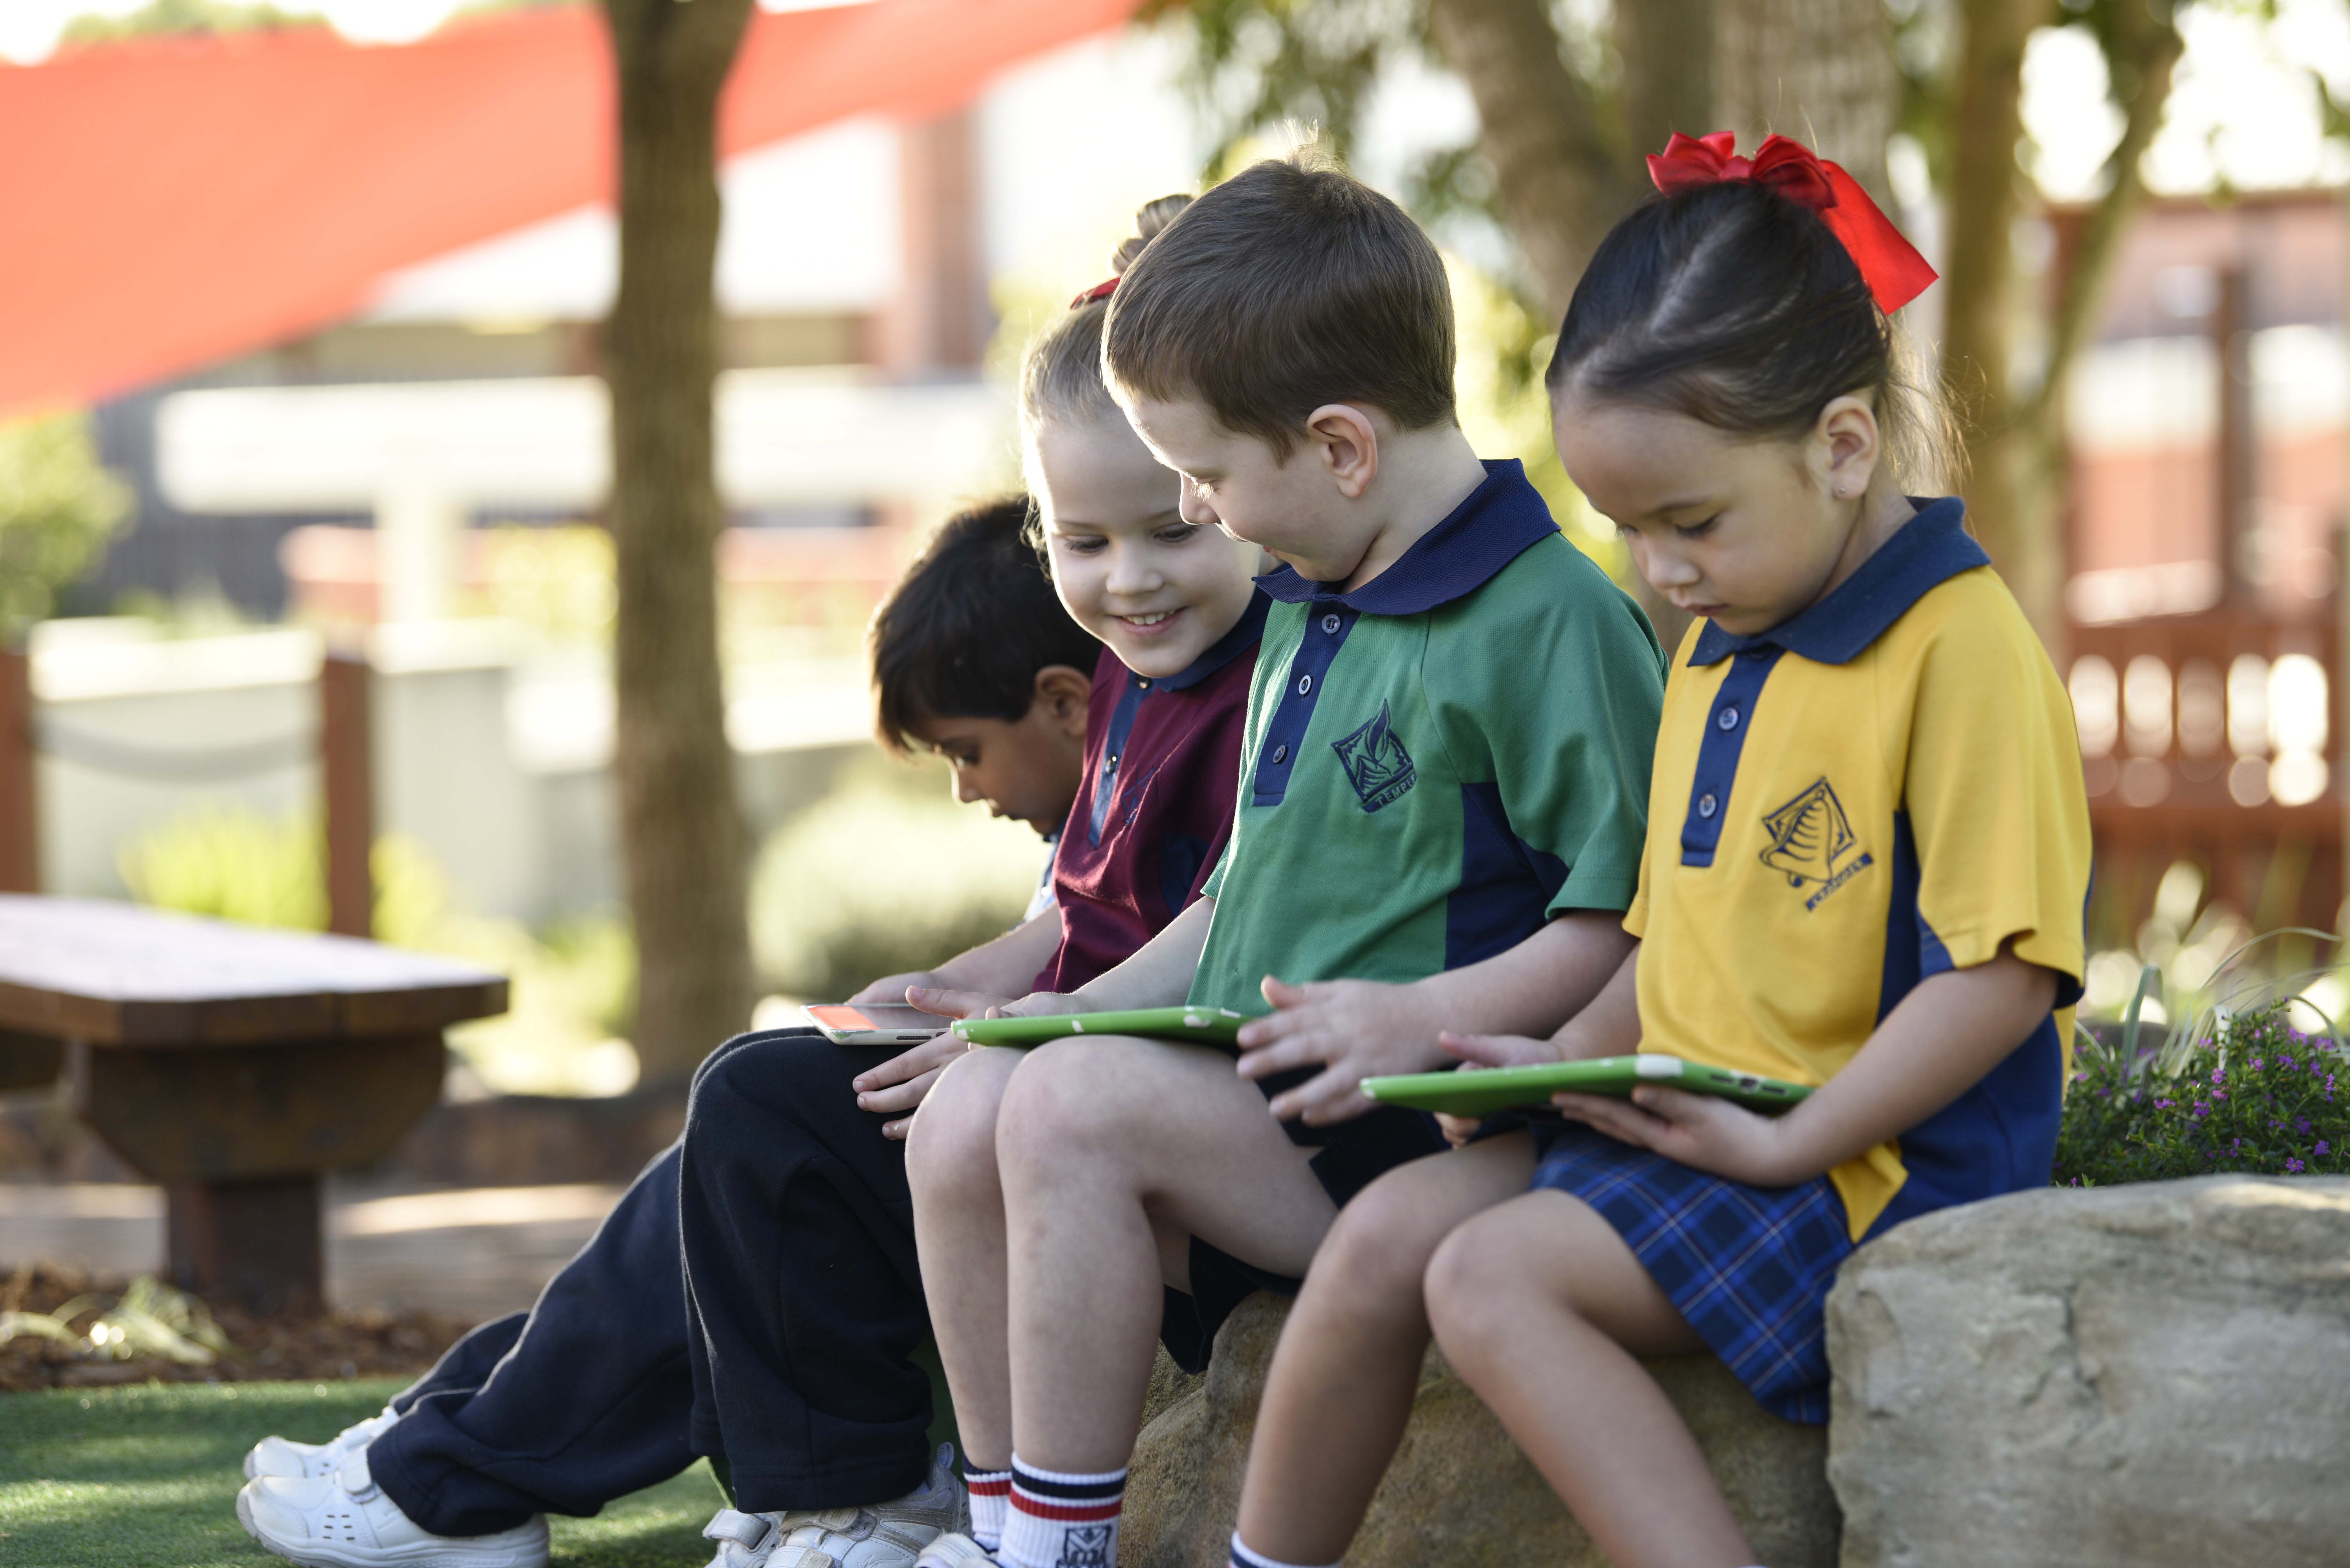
1486 1090
1215 1026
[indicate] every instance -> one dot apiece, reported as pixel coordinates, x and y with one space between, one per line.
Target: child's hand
892 988
949 1003
1477 1051
1457 1130
895 1087
1356 1029
1704 1132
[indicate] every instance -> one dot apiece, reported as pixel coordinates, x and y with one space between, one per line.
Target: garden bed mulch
315 1346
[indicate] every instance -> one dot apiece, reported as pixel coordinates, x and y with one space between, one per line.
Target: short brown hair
1286 288
965 630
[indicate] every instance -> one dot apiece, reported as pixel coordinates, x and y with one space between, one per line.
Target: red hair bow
1101 290
1896 274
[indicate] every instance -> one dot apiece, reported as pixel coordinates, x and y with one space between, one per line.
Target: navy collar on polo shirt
1926 552
1222 651
1499 521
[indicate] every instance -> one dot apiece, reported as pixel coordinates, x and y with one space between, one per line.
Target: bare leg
1108 1145
1343 1378
1543 1311
959 1235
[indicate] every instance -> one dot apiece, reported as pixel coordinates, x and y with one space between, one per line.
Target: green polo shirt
1437 762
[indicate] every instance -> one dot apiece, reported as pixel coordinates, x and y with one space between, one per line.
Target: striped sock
990 1496
1245 1558
1062 1521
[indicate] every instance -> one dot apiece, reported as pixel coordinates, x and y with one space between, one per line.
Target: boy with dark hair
1443 786
782 1344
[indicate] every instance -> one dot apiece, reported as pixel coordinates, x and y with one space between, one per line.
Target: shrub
2255 1094
884 875
58 509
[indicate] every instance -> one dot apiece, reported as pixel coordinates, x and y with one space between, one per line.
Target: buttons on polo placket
1300 688
1708 807
1727 719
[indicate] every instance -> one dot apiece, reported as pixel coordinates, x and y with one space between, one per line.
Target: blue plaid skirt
1748 1267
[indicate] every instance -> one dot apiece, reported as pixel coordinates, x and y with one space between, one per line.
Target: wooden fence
2215 739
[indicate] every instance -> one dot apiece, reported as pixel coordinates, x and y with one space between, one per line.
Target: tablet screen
876 1016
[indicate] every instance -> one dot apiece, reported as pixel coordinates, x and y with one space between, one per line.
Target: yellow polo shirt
1881 788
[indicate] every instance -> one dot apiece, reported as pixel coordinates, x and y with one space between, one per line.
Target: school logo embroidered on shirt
1376 763
1809 835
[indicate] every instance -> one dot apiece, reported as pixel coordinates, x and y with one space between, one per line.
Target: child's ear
1062 693
1348 445
1850 446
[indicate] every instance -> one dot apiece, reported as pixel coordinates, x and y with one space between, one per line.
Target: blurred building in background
2204 538
424 474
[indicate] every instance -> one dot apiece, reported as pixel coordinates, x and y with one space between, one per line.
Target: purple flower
2163 1105
2258 1064
2285 1062
2219 1094
2322 1149
2202 1110
2294 1168
2218 1075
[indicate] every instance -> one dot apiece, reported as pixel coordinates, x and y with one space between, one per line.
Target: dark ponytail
1737 307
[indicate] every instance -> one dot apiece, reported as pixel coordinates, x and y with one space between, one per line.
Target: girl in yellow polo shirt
1867 860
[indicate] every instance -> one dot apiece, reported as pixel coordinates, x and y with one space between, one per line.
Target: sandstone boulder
2149 1376
1460 1492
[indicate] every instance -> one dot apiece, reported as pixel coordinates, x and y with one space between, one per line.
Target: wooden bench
231 1065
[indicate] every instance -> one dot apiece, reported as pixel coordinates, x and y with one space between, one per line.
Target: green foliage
110 1478
2256 1095
58 509
573 997
150 1318
232 863
885 875
182 16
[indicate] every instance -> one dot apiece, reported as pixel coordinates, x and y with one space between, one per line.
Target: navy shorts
1748 1267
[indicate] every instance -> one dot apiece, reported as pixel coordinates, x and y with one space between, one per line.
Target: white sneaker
308 1461
951 1551
884 1535
344 1521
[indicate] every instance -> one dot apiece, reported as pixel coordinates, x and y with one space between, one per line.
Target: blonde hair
1061 375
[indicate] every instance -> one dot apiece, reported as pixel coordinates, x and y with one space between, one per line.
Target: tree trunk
1560 184
1667 50
1980 307
1819 71
681 832
2016 436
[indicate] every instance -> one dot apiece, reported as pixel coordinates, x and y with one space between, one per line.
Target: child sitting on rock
1439 817
1867 857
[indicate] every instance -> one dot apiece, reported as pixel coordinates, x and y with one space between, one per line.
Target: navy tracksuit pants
753 1297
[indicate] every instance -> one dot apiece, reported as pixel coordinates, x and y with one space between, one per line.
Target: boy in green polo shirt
1438 825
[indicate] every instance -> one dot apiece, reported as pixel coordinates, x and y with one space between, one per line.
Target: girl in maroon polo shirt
1178 616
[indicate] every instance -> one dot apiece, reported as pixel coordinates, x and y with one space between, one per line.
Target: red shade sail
166 203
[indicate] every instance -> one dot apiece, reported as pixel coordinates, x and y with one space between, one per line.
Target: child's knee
1060 1101
953 1133
1374 1257
1470 1285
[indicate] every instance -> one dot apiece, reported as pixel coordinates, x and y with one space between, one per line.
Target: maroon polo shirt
1155 806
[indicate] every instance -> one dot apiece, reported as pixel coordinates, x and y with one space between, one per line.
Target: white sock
990 1496
1243 1557
1060 1520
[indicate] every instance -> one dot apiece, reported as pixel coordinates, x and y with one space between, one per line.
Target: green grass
146 1476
